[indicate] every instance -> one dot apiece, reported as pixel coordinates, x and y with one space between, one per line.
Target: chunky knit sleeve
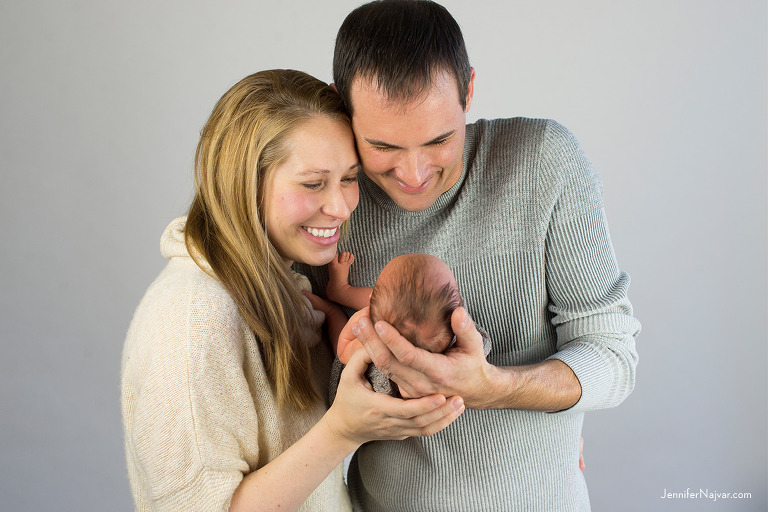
588 293
192 416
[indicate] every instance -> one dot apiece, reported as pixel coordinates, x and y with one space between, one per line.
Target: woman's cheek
353 197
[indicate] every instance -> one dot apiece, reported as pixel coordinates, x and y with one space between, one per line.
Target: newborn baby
415 293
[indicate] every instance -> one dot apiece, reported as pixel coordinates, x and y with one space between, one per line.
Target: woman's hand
348 344
359 414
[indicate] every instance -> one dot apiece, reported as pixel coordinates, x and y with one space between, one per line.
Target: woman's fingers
359 361
429 420
440 422
355 369
378 416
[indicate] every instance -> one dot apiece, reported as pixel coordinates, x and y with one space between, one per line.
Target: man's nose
413 169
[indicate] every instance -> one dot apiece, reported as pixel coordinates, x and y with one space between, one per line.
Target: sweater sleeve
588 293
194 415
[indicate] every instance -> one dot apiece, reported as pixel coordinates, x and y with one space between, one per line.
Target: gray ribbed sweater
525 234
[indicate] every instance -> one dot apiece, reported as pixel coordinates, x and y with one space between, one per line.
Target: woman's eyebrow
314 171
309 172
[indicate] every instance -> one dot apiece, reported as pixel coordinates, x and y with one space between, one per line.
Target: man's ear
470 89
333 86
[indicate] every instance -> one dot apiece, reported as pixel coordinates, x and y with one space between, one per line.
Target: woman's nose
336 205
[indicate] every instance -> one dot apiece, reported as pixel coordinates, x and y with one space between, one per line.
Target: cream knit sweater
199 412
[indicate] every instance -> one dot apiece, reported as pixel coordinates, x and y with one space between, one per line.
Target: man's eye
383 149
440 142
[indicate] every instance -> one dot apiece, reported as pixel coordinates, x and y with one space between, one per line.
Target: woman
223 366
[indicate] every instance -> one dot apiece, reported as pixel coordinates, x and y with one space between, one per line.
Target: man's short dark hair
400 45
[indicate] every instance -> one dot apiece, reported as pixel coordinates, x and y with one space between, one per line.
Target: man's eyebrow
440 137
382 144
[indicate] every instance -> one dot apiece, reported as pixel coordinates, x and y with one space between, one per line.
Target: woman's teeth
322 233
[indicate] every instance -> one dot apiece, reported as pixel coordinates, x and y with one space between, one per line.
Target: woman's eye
312 186
350 179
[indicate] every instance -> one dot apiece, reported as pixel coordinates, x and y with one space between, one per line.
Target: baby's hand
338 276
343 259
321 304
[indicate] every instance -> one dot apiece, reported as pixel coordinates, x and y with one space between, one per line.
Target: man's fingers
403 350
410 367
385 361
464 328
378 351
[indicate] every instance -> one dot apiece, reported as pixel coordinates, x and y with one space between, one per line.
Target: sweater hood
172 241
172 245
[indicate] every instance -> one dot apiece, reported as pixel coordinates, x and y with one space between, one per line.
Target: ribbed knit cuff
606 377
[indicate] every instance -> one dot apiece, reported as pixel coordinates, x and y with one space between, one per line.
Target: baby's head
417 293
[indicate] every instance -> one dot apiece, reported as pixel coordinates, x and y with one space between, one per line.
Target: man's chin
416 208
412 202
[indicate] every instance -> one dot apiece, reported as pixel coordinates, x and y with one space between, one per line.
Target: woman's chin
318 258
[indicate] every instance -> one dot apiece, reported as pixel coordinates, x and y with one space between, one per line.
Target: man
515 209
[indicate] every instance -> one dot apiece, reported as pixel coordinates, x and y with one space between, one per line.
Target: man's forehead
367 89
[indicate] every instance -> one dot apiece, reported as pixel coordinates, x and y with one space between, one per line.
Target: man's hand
547 386
462 370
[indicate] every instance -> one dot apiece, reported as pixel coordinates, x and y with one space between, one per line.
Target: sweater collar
372 190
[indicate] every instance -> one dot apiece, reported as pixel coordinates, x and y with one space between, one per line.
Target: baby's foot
338 274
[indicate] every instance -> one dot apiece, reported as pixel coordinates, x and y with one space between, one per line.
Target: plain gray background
101 106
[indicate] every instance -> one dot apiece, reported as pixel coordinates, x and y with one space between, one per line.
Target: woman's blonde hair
244 139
